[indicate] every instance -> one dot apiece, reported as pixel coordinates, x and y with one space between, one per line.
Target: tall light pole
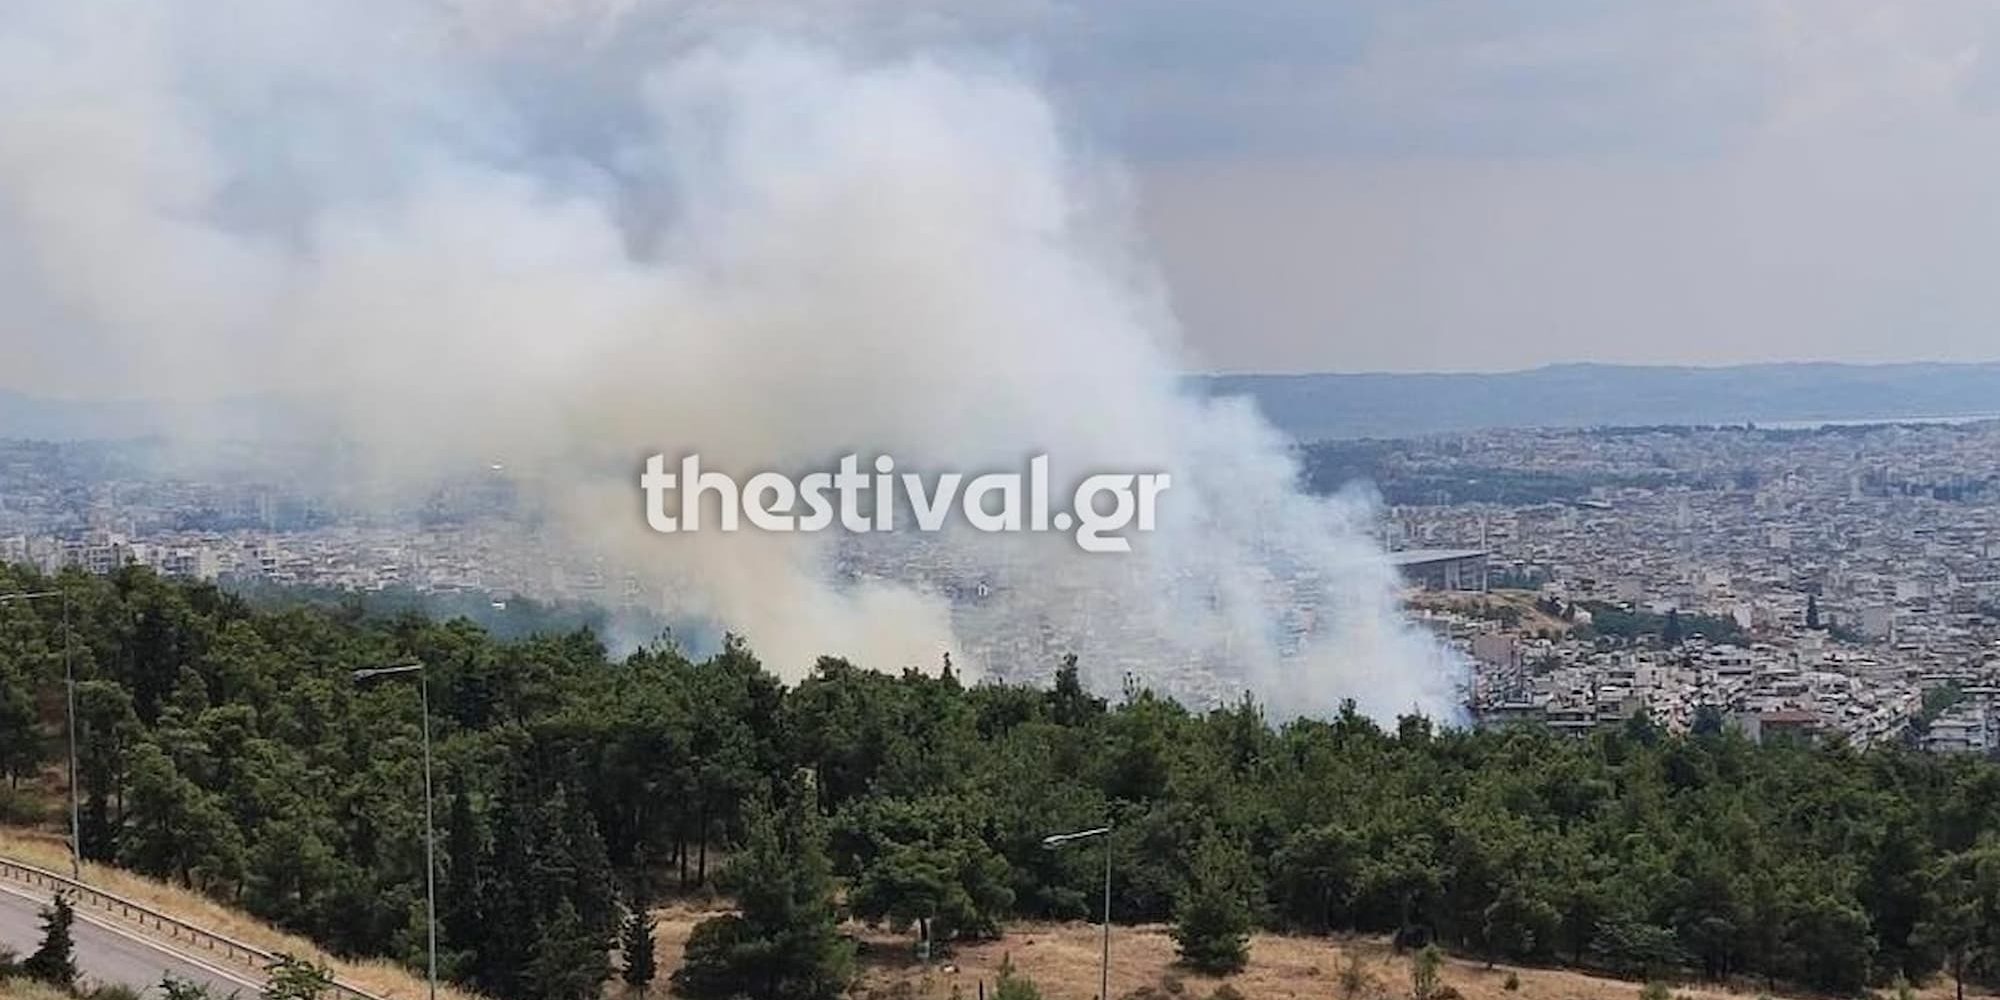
430 833
1058 840
69 687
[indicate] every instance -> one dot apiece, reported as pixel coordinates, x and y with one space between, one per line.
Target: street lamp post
1058 840
430 833
69 688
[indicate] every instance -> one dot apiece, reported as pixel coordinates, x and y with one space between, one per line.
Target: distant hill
1586 395
36 418
24 416
1315 406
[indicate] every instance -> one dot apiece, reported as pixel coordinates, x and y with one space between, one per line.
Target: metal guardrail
179 931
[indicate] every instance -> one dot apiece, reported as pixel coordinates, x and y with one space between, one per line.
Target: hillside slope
384 979
1062 959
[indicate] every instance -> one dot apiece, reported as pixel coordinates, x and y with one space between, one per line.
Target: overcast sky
1346 185
1480 185
1420 186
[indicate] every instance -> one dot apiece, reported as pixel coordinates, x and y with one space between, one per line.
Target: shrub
1353 979
293 978
18 807
1012 985
174 988
1424 969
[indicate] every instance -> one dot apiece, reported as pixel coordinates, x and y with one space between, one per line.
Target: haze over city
1379 499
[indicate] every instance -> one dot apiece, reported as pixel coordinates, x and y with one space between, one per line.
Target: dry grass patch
28 989
1062 959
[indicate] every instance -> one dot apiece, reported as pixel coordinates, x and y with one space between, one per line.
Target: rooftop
1417 557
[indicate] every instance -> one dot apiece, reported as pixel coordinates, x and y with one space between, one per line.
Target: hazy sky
1326 184
1422 185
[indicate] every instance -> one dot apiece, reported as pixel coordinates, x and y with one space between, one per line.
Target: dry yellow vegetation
385 979
28 989
1063 962
1062 959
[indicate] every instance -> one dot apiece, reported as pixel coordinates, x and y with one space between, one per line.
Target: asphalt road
105 955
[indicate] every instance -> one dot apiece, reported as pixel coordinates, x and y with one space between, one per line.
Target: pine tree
20 734
1069 704
569 961
1673 631
55 961
459 914
641 963
1212 921
542 911
785 944
571 900
106 729
593 891
507 938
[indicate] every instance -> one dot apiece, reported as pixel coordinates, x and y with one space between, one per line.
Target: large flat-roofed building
1443 569
1789 723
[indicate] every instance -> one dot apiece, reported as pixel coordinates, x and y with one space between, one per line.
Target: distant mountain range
1312 407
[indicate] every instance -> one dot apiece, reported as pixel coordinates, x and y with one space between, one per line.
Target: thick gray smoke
520 235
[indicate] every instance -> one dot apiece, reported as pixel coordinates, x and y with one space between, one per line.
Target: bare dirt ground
1532 620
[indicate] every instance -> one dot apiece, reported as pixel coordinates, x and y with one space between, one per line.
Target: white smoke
478 234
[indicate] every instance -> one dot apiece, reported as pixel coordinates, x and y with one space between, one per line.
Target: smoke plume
561 238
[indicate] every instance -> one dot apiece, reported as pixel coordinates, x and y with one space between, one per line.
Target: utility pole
1058 840
430 831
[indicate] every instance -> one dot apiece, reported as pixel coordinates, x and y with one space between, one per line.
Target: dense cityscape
1833 579
1843 579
